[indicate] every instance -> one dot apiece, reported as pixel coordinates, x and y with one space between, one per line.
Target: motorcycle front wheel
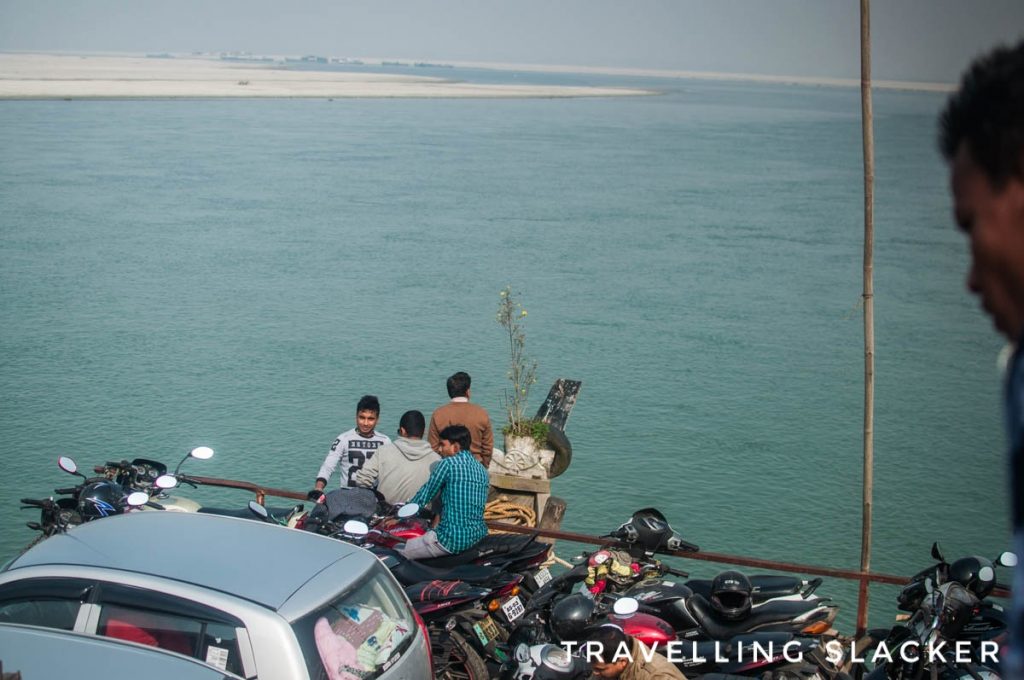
455 659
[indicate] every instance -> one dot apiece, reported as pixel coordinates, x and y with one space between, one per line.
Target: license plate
486 630
513 608
542 576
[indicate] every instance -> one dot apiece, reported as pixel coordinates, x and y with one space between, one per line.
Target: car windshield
359 635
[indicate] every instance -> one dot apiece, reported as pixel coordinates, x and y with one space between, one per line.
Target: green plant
522 370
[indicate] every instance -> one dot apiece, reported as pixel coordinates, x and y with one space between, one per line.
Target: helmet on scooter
100 499
956 608
730 595
974 573
570 616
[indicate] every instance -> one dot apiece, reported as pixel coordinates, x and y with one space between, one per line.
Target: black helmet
956 609
974 573
100 499
570 616
730 595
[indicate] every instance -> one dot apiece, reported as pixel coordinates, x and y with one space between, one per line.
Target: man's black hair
413 423
458 384
457 434
987 113
368 403
605 642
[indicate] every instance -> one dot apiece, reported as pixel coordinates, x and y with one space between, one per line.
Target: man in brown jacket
460 412
613 654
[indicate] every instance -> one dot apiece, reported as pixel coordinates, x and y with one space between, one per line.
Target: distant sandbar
38 76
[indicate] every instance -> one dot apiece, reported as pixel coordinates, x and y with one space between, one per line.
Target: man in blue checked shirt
462 483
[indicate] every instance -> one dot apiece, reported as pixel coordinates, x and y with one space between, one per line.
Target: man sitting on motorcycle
462 483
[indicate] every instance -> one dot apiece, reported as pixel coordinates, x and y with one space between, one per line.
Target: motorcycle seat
435 591
780 614
409 572
489 547
766 586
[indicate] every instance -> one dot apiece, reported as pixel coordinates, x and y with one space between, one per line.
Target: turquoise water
238 273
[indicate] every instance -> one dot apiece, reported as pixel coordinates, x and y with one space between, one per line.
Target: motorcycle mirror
408 510
166 482
258 510
200 452
354 527
1007 559
68 464
625 607
937 552
986 574
929 586
137 499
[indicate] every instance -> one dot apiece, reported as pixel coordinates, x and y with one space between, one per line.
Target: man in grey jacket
400 468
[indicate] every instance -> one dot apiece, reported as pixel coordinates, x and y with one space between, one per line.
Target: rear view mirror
1007 559
137 499
258 510
166 482
67 464
354 527
201 452
408 510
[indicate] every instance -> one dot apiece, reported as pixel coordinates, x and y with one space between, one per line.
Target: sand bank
37 76
703 75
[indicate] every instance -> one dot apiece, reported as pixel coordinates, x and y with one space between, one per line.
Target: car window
359 635
170 623
47 602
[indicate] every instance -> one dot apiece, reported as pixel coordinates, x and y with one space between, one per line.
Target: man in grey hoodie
398 469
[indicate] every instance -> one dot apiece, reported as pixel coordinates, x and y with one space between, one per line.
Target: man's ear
402 432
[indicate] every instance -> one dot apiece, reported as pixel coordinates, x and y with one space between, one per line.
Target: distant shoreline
42 76
705 75
119 76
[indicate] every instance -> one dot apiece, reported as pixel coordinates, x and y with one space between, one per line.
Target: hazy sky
930 40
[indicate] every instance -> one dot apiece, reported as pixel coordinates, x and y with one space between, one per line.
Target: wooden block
512 483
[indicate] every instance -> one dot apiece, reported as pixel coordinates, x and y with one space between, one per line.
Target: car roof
46 653
254 560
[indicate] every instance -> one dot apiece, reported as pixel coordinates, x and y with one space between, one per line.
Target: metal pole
869 307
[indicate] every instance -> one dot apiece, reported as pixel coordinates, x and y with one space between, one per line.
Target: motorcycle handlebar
677 572
67 491
32 502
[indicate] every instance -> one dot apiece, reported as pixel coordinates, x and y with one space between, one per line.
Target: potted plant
525 438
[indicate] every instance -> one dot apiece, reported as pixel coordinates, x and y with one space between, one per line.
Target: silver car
245 597
45 653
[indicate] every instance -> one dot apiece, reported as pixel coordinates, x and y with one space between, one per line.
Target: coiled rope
501 509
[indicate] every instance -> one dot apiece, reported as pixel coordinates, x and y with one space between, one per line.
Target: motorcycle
947 608
467 608
628 566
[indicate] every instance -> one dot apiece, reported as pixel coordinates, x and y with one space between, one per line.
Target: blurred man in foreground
982 138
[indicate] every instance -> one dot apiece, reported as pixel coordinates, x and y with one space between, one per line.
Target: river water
238 273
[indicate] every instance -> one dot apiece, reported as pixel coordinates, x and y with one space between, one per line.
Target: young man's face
447 448
994 222
366 421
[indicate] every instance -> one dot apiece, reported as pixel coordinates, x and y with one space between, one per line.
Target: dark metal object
561 398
